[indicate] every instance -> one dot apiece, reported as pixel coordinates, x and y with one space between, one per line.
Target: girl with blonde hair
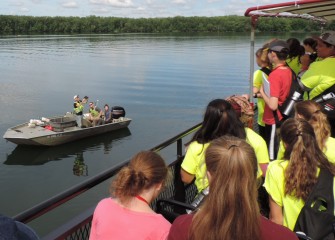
312 113
230 210
127 214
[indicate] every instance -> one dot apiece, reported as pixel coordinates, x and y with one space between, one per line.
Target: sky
129 8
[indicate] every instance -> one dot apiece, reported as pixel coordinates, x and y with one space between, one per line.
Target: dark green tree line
94 24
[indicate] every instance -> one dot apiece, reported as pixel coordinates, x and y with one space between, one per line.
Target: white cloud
114 3
71 4
24 9
179 1
16 3
100 10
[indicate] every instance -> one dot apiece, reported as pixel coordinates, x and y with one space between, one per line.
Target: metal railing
79 227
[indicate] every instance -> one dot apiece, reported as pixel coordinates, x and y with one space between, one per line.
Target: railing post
179 148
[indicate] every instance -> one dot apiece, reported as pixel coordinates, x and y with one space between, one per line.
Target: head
145 170
304 157
106 107
295 49
232 167
310 45
262 57
76 98
326 44
278 51
307 58
91 105
85 99
231 158
220 119
313 114
14 230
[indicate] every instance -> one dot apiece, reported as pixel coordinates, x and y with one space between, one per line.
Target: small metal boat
58 130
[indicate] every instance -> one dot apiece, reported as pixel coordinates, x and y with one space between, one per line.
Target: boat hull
40 136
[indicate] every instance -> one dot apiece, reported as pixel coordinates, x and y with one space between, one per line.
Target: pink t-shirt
112 221
280 83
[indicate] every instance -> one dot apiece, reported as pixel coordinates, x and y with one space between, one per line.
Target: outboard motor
118 112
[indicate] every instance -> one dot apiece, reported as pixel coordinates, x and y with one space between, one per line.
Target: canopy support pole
252 61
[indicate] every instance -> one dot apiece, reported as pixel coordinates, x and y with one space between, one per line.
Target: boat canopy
317 10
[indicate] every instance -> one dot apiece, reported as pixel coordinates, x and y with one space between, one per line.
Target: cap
11 229
278 45
328 37
75 96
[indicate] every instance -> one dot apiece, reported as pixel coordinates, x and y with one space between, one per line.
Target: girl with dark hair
220 119
127 214
290 181
293 58
230 210
312 113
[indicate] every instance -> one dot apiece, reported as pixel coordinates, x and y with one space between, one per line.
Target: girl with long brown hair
231 210
312 113
290 181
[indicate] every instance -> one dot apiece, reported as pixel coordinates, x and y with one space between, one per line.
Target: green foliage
94 24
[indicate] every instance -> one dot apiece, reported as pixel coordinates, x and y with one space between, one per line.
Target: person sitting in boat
220 119
230 211
127 215
95 114
107 114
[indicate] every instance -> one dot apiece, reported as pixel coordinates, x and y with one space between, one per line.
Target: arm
276 212
264 167
186 177
272 102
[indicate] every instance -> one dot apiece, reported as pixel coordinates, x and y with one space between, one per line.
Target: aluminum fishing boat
58 130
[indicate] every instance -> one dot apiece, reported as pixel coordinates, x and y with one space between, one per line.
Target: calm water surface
163 82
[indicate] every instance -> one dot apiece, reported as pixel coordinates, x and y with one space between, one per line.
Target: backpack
327 101
243 108
316 218
286 108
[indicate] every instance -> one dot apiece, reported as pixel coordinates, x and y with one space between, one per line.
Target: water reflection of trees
31 155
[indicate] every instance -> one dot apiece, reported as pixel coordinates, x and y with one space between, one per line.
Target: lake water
163 81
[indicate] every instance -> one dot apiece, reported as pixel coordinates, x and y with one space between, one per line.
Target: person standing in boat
290 181
263 62
127 214
320 76
312 113
295 52
274 92
230 211
78 108
96 113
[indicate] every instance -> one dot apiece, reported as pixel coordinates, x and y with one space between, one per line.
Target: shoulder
278 166
271 230
180 227
254 138
197 147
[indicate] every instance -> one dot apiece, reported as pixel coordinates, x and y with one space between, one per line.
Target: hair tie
233 145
